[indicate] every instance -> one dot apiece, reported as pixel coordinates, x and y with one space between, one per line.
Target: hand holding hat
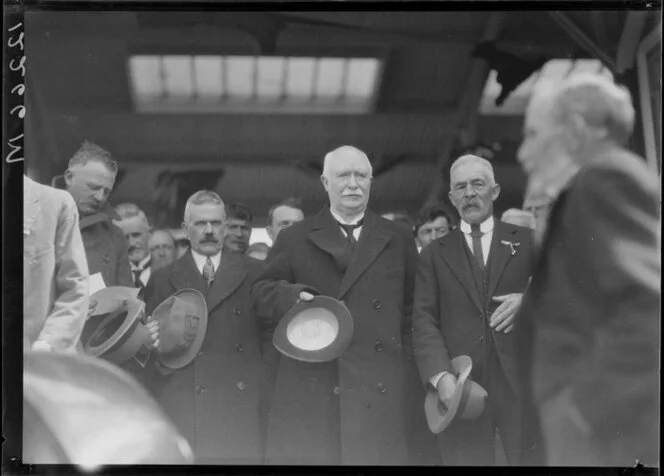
446 387
153 329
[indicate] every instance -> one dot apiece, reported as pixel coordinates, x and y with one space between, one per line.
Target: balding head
347 176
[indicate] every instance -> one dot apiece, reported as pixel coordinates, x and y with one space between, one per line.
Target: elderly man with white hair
468 289
364 407
590 333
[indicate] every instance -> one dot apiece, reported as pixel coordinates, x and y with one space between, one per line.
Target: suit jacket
449 316
55 270
215 400
358 408
592 312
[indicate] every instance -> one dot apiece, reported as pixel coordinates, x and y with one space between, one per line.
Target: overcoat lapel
327 235
373 240
185 275
453 252
500 253
229 276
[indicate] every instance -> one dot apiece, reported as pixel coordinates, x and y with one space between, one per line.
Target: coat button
236 311
241 386
481 338
378 346
376 304
381 388
336 390
200 389
239 347
200 353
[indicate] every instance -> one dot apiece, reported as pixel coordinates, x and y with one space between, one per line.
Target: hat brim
439 417
98 342
195 298
337 345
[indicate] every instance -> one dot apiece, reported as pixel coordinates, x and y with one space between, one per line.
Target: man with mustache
89 178
590 343
214 401
468 289
366 406
134 224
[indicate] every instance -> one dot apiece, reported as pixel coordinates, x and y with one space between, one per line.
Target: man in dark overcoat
468 288
590 342
214 401
357 409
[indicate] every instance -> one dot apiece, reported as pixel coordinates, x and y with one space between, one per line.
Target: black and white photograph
331 234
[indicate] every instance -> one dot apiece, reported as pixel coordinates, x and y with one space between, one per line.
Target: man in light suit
468 288
55 270
361 407
214 400
590 333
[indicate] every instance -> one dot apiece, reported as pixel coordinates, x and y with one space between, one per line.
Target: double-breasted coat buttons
378 347
376 304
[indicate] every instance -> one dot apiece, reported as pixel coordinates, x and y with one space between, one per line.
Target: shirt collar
200 260
341 220
143 264
485 227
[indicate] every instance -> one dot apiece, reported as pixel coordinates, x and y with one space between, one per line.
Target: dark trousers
472 442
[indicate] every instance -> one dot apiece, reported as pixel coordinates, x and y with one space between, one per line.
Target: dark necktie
208 271
476 235
137 274
349 233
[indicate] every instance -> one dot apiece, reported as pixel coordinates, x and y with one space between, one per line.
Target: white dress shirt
144 277
356 231
200 260
486 227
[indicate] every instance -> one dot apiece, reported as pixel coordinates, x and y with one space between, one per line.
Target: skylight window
554 70
261 84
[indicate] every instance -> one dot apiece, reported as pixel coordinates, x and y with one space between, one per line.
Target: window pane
361 80
145 76
270 77
178 76
329 78
207 72
300 79
240 76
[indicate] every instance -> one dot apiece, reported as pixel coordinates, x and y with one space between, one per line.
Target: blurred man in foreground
591 315
55 270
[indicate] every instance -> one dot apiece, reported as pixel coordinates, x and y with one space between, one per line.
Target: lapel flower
512 246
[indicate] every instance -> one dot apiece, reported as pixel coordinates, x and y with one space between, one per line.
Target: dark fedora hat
114 330
314 331
467 403
182 321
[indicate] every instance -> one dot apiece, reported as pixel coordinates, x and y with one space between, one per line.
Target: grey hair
199 198
597 99
330 156
470 158
89 152
131 210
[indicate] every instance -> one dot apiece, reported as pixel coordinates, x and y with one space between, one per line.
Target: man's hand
153 329
305 296
446 386
502 319
41 346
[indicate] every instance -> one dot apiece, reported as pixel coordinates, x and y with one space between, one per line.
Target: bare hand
502 319
305 296
446 386
153 329
41 346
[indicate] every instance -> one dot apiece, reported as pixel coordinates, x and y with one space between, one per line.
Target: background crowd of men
557 305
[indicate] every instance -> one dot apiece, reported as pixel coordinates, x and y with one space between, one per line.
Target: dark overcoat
358 408
214 401
592 313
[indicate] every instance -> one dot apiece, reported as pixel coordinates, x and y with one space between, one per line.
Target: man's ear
323 180
68 177
495 192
